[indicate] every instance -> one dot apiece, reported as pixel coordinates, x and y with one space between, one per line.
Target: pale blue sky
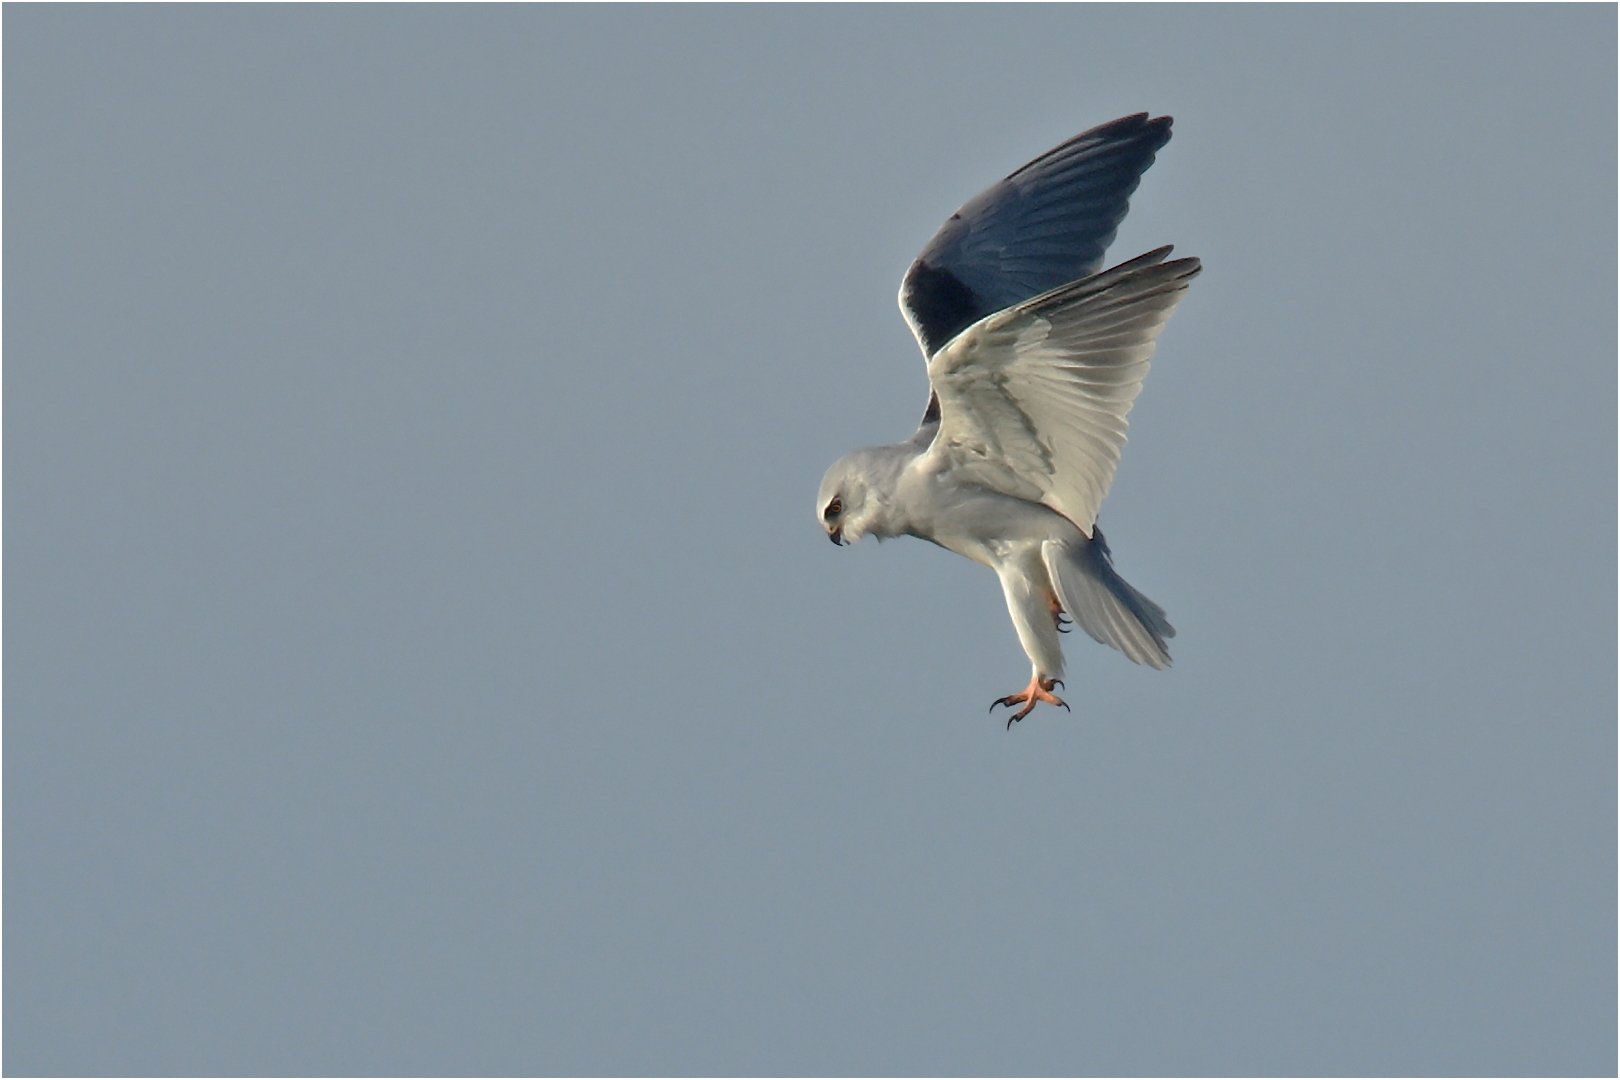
422 655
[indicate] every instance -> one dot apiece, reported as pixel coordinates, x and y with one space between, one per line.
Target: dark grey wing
1046 225
1033 399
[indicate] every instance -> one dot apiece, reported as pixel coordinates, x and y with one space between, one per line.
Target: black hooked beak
837 536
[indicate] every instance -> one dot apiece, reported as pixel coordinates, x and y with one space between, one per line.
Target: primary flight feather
1034 360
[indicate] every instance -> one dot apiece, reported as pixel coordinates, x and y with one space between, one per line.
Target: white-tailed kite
1034 358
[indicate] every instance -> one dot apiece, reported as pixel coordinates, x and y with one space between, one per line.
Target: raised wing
1033 399
1047 224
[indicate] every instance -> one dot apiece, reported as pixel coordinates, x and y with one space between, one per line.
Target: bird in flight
1034 359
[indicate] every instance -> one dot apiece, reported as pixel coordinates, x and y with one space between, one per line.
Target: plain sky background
421 654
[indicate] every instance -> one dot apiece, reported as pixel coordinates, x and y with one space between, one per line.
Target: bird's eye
834 508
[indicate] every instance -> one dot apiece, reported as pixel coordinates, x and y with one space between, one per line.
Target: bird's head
846 504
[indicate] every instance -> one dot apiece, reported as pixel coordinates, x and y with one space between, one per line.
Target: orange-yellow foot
1038 690
1060 620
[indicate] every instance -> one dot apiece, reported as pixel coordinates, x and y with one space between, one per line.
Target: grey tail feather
1107 608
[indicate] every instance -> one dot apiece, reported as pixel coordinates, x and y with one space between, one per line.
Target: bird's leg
1058 618
1039 689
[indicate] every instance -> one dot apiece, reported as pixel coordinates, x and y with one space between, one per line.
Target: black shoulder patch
940 303
931 414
